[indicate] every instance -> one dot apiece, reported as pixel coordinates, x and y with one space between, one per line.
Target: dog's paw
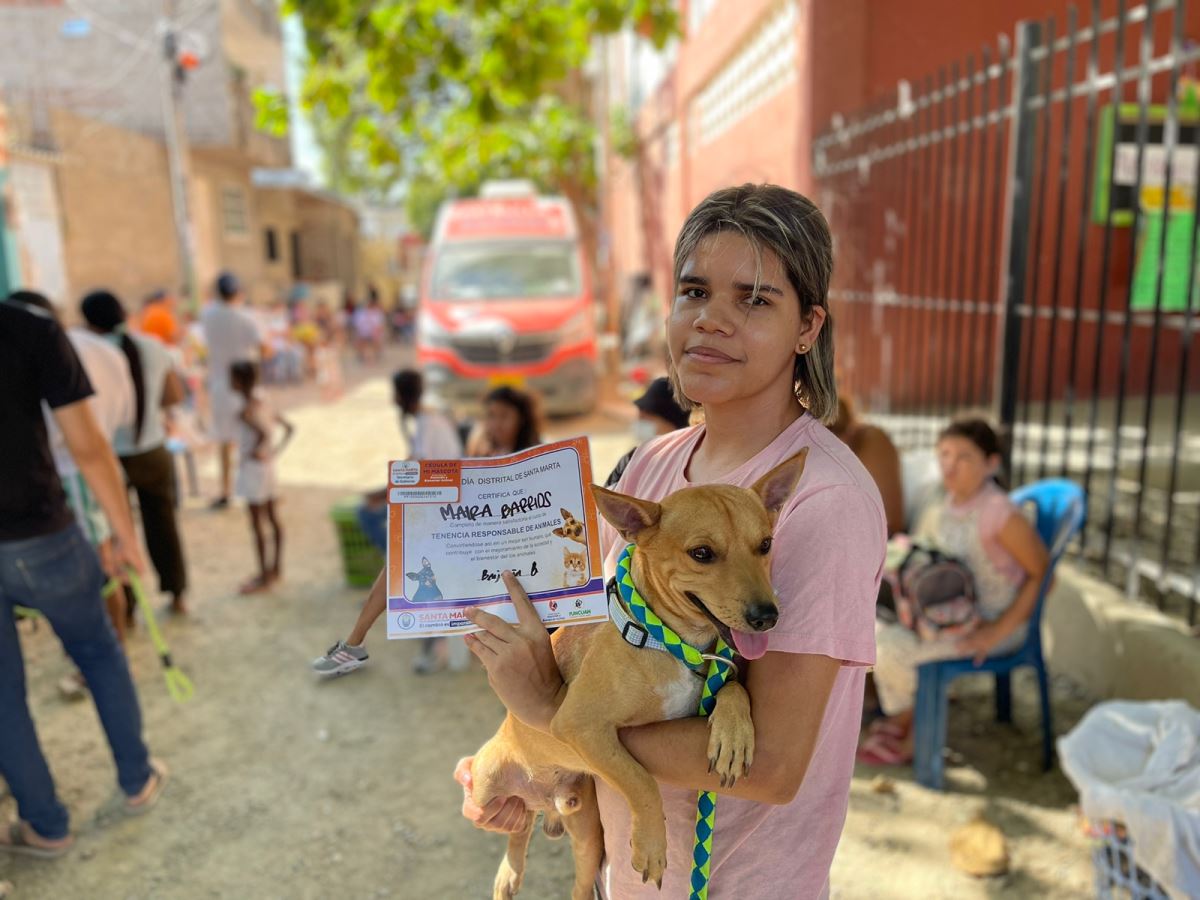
731 735
507 883
649 853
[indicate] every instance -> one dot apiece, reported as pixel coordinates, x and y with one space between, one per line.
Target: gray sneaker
340 659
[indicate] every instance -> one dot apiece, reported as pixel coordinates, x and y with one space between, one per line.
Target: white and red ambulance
506 299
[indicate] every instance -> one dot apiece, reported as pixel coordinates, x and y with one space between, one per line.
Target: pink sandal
880 750
887 728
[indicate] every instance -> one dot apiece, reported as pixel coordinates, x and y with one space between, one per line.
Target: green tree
439 95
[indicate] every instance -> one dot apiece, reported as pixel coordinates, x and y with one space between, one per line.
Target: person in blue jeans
46 564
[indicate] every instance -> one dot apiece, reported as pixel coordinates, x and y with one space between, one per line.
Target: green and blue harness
645 629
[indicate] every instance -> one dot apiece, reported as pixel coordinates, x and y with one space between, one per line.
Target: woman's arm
788 695
1018 537
878 455
103 475
173 392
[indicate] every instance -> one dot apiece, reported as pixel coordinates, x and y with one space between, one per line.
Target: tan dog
703 565
572 528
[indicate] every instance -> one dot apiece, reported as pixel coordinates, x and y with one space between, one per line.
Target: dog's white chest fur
681 695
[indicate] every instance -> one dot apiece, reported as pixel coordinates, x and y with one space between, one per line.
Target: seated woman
878 455
977 523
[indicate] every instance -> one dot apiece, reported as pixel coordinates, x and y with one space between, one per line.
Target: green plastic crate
361 560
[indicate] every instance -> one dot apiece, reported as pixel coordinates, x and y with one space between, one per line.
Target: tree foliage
439 95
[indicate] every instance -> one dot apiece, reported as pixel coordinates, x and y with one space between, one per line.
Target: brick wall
117 224
112 78
760 133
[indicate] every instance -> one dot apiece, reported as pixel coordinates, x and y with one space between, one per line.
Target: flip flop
887 728
159 772
879 750
254 586
17 844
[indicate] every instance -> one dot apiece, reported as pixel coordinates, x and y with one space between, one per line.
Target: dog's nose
762 616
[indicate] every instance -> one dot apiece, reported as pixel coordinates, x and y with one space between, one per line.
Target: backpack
935 594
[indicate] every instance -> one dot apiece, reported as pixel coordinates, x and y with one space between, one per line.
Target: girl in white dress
256 469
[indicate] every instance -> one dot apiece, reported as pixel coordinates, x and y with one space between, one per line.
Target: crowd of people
93 412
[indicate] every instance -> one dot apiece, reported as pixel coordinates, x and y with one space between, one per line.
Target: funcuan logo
406 621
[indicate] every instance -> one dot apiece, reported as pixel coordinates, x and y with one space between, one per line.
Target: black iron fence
1017 232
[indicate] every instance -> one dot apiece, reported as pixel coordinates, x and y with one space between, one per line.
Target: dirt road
287 787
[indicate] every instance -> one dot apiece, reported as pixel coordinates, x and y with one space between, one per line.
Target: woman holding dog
751 341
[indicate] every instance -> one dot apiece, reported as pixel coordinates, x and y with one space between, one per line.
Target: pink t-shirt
828 557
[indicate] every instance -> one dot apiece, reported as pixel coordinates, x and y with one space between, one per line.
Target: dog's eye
702 554
765 547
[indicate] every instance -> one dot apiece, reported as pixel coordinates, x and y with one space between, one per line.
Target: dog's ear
566 515
558 532
413 575
776 486
424 563
629 515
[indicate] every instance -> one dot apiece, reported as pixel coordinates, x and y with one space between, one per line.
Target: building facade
91 183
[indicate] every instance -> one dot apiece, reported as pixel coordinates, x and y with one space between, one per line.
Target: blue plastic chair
1060 512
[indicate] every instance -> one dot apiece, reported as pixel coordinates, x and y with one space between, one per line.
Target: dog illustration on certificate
427 587
572 528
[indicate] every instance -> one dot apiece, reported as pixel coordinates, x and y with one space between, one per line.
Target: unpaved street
286 787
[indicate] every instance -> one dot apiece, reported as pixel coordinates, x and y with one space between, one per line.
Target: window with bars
235 217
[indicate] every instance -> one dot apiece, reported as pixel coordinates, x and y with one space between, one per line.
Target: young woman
510 424
141 445
977 523
751 341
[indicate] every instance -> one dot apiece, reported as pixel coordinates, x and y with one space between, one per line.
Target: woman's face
501 423
964 466
728 343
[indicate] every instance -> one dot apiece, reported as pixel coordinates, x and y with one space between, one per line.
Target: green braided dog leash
720 663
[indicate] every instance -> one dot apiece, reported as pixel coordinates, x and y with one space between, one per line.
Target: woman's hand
519 659
982 641
505 815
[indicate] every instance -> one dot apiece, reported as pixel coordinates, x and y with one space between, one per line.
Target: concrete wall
687 151
117 222
239 250
328 241
114 72
1117 649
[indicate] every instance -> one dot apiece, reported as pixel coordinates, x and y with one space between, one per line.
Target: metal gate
1017 233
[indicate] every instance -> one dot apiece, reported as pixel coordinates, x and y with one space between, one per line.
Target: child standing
256 469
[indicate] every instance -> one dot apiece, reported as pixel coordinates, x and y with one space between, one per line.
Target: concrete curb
1114 648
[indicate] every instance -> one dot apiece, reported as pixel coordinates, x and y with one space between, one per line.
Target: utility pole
177 150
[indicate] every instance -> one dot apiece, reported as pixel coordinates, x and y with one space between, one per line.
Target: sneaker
340 659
